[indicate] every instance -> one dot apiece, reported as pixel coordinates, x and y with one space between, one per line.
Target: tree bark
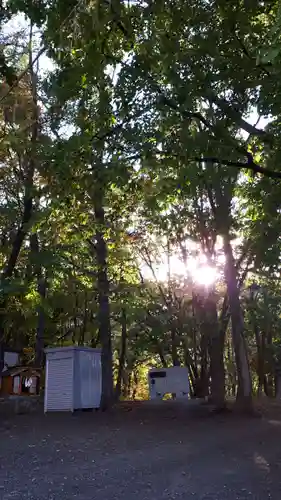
216 350
103 305
128 385
161 354
136 383
244 392
267 348
278 383
41 288
122 356
260 358
203 382
39 347
85 318
175 357
194 329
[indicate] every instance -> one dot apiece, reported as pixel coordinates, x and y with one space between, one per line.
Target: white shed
73 378
173 380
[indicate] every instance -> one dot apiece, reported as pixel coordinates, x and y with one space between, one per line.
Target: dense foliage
135 133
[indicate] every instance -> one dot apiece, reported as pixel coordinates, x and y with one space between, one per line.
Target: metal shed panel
73 378
59 384
96 379
76 381
89 378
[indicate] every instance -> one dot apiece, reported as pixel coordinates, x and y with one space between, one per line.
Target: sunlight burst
197 270
204 275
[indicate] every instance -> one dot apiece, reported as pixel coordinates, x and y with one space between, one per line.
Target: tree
148 139
21 108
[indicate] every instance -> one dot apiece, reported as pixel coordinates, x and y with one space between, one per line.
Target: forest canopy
141 186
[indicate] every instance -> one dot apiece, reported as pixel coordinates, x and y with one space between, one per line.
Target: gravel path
139 455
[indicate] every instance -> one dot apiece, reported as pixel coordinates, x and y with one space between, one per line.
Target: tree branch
235 115
249 165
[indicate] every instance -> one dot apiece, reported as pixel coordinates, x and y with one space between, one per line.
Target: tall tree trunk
103 305
175 357
41 288
216 350
244 392
127 392
40 336
278 382
136 381
267 340
189 361
122 356
99 182
218 328
260 357
75 313
161 354
85 318
203 381
260 344
194 328
192 381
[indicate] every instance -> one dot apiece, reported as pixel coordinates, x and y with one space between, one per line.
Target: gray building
73 378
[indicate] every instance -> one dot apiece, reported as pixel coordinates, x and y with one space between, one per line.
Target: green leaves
270 52
136 96
268 56
84 81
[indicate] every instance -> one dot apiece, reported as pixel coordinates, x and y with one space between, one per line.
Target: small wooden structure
20 380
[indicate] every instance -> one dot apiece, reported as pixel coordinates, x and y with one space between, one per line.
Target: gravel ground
146 453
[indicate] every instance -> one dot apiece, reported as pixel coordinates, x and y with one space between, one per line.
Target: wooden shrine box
20 380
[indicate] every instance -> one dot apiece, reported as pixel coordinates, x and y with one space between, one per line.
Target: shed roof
71 348
22 370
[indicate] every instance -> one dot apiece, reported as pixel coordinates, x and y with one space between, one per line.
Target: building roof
71 348
28 371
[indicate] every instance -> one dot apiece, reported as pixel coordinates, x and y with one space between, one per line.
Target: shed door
59 384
